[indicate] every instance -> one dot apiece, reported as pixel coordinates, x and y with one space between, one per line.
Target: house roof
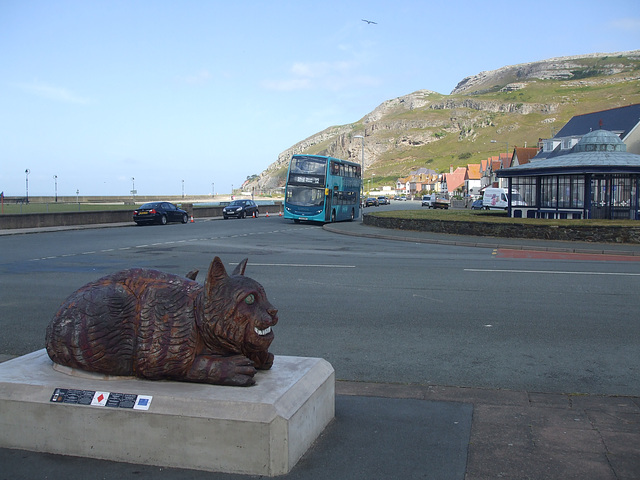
524 155
456 179
495 163
619 120
473 171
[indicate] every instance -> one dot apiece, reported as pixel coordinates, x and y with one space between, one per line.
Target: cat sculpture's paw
262 360
236 370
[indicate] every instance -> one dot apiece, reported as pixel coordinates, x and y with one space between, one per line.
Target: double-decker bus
322 189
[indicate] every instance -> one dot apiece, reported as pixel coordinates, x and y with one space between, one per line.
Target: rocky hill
484 115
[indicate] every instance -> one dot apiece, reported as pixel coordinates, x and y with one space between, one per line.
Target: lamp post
182 188
361 137
55 181
26 173
133 188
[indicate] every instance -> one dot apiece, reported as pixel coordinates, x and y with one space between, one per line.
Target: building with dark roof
623 121
597 178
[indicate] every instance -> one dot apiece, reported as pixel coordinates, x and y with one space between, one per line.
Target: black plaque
121 400
72 396
101 399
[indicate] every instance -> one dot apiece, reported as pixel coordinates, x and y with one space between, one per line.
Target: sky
194 96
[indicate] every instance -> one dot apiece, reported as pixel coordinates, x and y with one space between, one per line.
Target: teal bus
322 189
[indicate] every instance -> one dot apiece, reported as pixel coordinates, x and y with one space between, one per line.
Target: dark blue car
477 205
240 209
159 212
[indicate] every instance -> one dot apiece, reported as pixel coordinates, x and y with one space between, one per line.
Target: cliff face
513 104
562 68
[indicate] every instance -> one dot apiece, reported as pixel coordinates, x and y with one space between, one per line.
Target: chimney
451 168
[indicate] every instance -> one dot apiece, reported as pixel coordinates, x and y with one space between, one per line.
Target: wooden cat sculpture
157 325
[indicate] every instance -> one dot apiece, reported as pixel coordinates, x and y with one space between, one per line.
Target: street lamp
361 137
182 188
55 181
133 188
26 173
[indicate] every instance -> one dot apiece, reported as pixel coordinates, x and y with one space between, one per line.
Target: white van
497 199
428 200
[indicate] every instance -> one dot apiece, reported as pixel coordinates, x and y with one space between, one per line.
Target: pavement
384 431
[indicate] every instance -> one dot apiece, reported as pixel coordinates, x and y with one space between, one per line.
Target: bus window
304 196
307 165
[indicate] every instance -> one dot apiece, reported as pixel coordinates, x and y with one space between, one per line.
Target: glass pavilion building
598 178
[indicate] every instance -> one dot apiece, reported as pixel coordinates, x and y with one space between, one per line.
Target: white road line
310 265
551 272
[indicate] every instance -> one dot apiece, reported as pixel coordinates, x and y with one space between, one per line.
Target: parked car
371 202
383 201
240 209
477 205
159 212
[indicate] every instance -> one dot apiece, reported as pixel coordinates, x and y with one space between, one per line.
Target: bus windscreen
305 196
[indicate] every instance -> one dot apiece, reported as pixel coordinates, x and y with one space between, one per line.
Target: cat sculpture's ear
192 274
239 270
216 274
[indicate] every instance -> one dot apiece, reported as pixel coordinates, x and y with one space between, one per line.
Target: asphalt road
377 310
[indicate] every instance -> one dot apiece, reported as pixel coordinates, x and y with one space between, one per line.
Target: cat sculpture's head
237 317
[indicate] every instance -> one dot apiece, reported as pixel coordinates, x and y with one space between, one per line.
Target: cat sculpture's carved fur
155 325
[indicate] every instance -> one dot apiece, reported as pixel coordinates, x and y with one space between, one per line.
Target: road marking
309 265
549 272
548 255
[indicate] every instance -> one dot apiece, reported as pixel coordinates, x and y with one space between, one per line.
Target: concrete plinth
258 430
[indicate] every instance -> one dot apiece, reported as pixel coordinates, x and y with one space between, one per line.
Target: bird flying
369 22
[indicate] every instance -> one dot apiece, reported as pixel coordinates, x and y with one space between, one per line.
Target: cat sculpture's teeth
266 331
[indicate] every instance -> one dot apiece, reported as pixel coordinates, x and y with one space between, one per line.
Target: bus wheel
296 220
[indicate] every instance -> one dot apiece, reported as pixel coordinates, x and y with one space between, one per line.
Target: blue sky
210 92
